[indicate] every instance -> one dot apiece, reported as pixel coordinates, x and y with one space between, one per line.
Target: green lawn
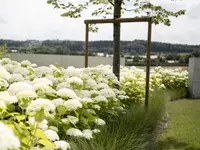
183 129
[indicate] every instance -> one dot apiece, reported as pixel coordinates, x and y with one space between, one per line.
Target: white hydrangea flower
63 85
94 93
58 101
120 108
66 93
84 93
4 74
111 76
4 93
9 67
51 78
28 82
123 97
19 87
65 121
62 145
43 87
16 78
2 104
97 107
8 99
90 83
100 122
41 103
72 119
87 134
30 95
72 72
7 138
74 132
21 70
84 76
75 80
86 100
54 68
51 135
42 125
102 80
5 61
54 128
42 81
108 93
103 86
15 63
26 63
100 98
3 84
43 70
34 65
96 131
162 86
72 104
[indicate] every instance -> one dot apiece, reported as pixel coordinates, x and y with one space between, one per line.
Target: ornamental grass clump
133 128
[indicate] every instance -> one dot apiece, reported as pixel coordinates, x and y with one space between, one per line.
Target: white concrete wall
63 60
194 78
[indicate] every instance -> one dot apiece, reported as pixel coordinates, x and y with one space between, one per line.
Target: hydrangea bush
43 106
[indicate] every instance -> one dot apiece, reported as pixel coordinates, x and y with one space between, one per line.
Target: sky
35 19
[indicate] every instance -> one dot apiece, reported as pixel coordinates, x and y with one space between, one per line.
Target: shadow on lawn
171 143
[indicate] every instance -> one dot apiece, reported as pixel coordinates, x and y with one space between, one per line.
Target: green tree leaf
39 116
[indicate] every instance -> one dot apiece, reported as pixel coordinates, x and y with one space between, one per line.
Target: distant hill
76 47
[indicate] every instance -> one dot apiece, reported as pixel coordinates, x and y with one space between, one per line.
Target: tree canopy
105 8
116 8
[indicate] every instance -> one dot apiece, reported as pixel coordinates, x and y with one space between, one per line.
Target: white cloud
35 19
2 20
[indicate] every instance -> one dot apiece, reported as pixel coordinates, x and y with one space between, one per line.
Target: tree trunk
116 39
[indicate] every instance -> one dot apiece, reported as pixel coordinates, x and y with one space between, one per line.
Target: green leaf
61 110
47 148
39 133
20 117
50 96
11 108
17 127
39 116
47 143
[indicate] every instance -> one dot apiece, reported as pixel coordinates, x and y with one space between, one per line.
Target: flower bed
45 105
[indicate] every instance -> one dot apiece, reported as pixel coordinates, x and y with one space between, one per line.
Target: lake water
67 60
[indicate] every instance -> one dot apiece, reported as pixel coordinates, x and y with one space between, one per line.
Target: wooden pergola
125 20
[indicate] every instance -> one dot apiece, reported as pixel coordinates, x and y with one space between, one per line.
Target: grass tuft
132 130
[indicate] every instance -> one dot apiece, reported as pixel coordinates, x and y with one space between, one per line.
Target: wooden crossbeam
118 20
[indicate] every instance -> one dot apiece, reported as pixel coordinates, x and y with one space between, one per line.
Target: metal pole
86 44
148 64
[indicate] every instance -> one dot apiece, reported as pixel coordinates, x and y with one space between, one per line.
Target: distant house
100 54
14 51
172 61
152 56
107 55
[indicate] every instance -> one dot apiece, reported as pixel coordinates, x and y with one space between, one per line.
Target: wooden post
86 44
148 64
